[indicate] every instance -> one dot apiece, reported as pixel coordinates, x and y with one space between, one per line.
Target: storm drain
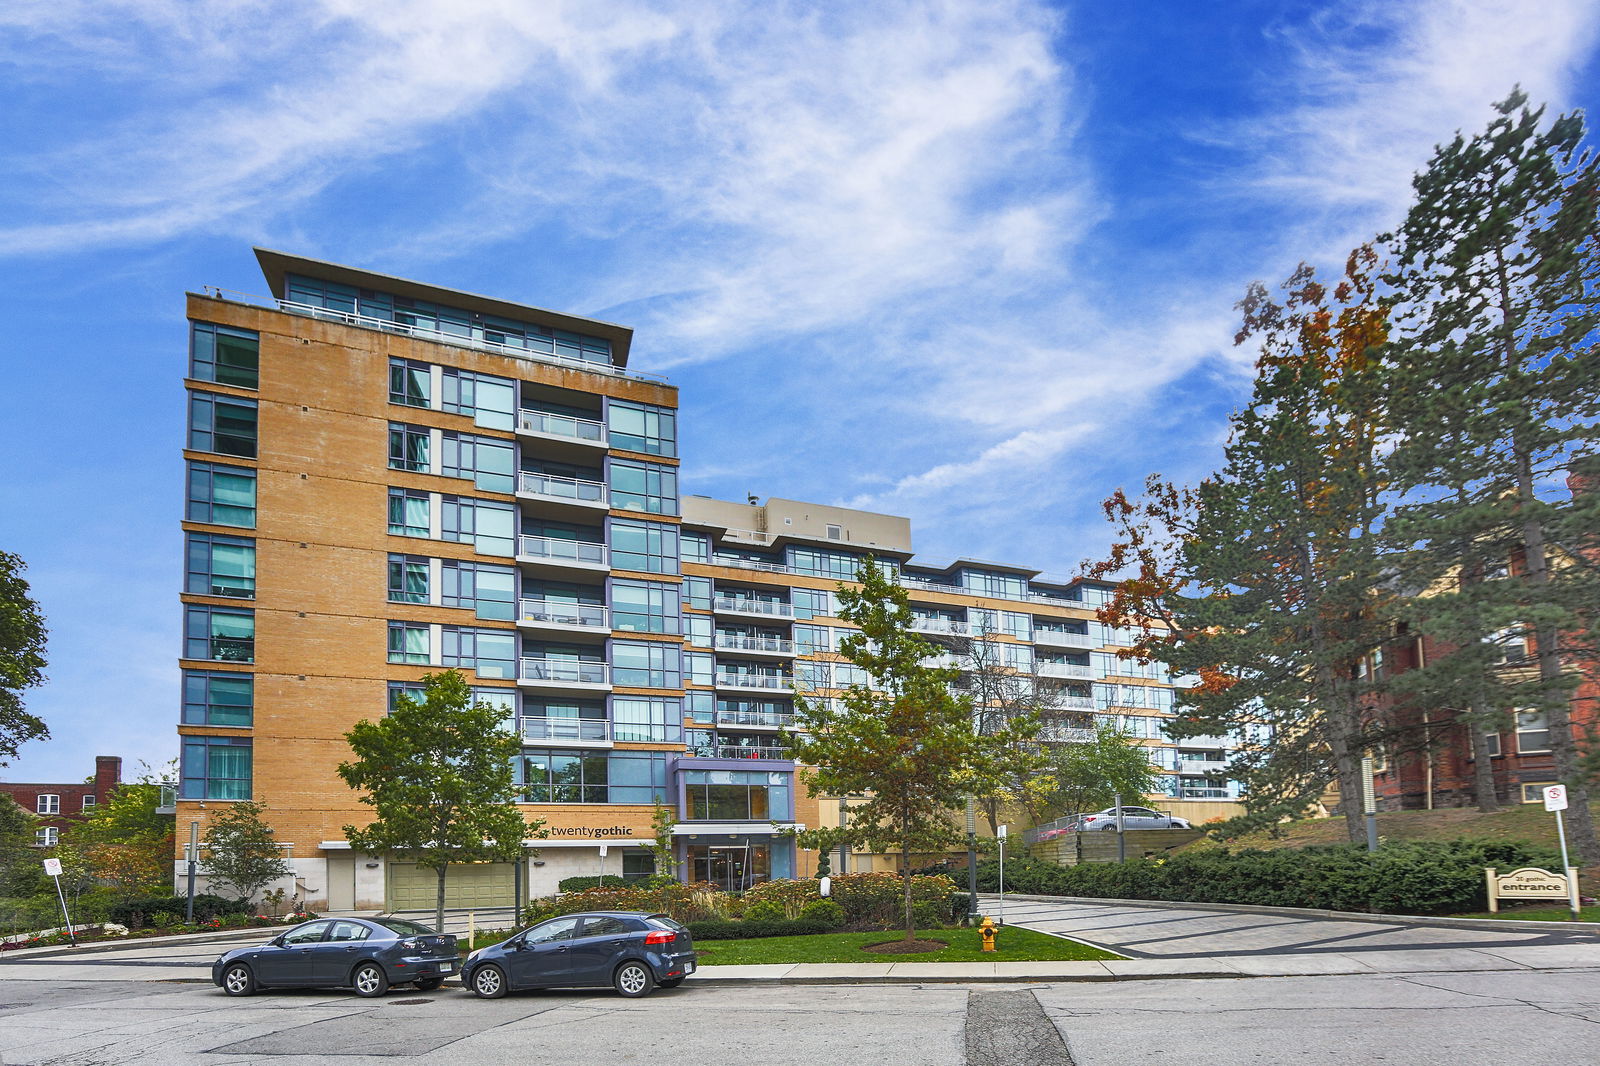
1010 1029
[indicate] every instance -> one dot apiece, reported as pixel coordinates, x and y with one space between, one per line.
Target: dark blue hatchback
366 954
631 951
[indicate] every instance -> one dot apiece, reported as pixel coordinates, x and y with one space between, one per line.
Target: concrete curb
1507 925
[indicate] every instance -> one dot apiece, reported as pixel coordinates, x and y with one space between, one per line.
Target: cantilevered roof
276 265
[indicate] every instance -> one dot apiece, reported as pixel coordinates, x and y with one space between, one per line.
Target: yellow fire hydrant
987 930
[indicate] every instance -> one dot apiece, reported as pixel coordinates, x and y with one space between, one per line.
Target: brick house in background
1523 763
59 805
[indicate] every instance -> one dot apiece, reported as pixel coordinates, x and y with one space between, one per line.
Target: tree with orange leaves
1264 584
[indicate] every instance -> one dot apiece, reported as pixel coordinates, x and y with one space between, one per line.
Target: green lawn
1539 914
1014 945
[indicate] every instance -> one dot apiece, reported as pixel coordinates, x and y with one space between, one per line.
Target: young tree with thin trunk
1494 384
905 741
242 854
438 772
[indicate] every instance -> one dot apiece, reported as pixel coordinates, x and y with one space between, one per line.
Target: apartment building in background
60 804
386 478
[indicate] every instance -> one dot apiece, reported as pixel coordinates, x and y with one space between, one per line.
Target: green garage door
414 888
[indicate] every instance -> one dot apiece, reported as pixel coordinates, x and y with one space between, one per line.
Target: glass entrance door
731 867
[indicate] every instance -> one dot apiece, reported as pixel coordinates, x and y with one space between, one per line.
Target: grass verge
1538 914
1015 945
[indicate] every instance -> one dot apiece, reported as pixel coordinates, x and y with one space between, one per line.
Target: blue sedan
366 954
631 951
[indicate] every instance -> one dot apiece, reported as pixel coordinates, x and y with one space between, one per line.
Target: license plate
447 967
688 967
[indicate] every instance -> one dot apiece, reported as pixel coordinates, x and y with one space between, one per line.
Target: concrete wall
1069 849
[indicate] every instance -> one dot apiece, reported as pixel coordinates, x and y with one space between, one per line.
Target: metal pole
1572 875
1369 803
72 938
844 845
972 861
1122 835
194 853
1001 910
517 875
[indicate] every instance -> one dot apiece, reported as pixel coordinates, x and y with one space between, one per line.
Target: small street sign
52 867
1555 797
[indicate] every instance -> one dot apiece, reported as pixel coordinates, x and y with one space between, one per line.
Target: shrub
764 910
876 901
685 903
790 894
826 911
579 884
137 912
165 920
929 914
741 930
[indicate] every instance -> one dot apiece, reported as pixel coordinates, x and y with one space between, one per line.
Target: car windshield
403 927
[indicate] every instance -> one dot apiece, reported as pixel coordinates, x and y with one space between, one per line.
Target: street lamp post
972 860
194 853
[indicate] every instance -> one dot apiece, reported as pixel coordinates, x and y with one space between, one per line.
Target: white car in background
1132 818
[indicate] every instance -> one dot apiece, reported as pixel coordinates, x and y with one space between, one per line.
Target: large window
410 383
409 513
488 461
735 796
984 620
490 652
647 547
408 579
642 428
647 665
811 602
697 627
565 777
696 548
823 562
644 487
697 592
647 718
1533 732
47 803
645 607
216 768
221 495
990 583
214 698
225 355
221 565
409 643
219 633
489 591
491 401
223 424
488 525
410 448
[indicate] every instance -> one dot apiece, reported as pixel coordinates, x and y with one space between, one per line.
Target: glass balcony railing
947 626
570 671
735 751
566 729
777 682
560 612
740 642
1071 670
775 719
552 425
554 487
747 605
1055 639
554 549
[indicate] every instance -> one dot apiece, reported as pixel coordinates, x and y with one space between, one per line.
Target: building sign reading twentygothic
591 831
1528 883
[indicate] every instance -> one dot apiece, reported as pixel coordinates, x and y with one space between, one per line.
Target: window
215 698
984 620
835 532
216 768
638 776
489 591
486 460
810 602
647 718
408 579
1533 732
410 447
409 513
221 565
488 525
642 607
490 652
841 566
410 383
644 487
647 665
89 801
697 592
47 803
409 643
222 634
1512 645
48 837
697 627
647 547
700 668
1533 792
642 428
491 401
701 706
696 548
565 777
989 583
221 495
222 424
225 355
735 795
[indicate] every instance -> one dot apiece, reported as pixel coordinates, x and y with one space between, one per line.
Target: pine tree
1494 388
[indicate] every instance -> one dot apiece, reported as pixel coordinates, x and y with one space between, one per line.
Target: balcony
942 627
1052 639
1207 794
739 751
1068 670
232 649
561 427
566 490
1062 702
756 719
560 614
1201 767
564 554
573 674
946 662
167 802
1205 742
755 682
588 732
755 608
755 645
1065 734
754 564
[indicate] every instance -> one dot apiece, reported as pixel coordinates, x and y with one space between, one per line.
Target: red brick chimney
107 775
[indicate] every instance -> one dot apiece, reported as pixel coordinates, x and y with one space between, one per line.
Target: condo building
386 478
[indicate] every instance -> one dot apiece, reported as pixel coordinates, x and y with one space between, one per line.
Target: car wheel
633 979
488 982
672 982
237 980
428 984
369 980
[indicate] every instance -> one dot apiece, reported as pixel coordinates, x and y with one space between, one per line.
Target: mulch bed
906 947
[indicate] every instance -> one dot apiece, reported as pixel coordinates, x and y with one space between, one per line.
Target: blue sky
969 262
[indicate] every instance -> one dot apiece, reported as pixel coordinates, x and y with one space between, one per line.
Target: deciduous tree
242 855
22 661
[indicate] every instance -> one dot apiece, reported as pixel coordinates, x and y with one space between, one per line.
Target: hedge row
1421 877
136 913
579 884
